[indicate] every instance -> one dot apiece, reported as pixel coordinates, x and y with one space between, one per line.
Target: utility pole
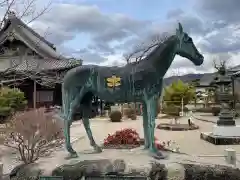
182 107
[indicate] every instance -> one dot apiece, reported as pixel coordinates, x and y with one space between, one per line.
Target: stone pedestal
226 131
222 135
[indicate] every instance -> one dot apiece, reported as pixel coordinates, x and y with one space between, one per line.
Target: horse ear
180 28
179 33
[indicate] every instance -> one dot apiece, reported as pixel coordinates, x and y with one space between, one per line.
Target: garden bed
177 127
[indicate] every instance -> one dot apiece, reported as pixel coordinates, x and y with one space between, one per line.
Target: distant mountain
205 79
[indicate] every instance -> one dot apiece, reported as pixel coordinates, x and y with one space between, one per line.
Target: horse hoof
146 147
97 149
156 154
71 156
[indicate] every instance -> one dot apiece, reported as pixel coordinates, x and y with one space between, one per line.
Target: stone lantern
224 97
225 131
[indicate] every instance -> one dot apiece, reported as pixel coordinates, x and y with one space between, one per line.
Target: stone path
189 141
209 117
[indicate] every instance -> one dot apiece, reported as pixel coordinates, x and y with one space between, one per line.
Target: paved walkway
188 141
208 117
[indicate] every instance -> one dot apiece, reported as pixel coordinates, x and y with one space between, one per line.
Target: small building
31 63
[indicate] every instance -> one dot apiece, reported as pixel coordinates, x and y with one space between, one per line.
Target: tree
11 100
34 134
220 66
178 91
24 9
140 51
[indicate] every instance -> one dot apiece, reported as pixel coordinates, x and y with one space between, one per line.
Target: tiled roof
46 64
18 29
52 60
13 20
236 74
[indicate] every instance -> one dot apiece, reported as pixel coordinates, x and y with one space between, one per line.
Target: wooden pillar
34 93
233 92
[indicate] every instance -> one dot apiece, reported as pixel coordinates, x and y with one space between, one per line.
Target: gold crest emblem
113 81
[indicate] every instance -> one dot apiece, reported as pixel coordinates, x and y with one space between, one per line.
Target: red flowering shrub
126 136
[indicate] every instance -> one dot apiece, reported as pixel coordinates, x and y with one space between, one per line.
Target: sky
104 31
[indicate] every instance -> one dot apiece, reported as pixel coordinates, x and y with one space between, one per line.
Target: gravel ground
188 141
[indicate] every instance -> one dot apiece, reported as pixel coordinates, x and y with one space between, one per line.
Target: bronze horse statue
139 82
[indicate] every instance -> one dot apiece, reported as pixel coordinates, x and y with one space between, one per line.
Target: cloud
226 11
174 13
92 57
214 29
223 21
106 29
87 55
71 19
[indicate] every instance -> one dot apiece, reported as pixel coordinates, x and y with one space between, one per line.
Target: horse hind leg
86 109
87 127
68 106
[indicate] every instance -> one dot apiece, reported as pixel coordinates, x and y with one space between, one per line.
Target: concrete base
219 140
226 131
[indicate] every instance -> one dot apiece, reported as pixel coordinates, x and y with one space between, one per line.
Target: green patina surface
141 82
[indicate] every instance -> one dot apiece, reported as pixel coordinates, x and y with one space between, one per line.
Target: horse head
186 47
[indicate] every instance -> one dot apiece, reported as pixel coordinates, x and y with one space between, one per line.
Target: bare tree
219 63
176 72
33 134
142 50
23 9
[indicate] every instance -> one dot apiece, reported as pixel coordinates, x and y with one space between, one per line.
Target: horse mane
145 48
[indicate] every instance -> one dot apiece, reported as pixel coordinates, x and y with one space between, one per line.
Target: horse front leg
145 126
86 124
151 113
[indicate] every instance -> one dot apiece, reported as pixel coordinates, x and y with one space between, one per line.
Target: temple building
31 63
